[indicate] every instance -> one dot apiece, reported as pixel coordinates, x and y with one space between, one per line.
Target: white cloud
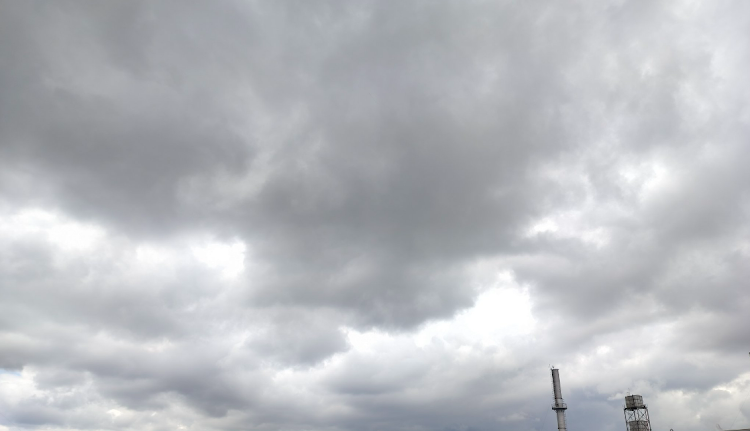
226 257
64 233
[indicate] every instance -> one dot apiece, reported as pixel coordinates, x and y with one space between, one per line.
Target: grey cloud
368 155
297 337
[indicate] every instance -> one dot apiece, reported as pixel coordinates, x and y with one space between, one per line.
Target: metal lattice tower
559 406
636 414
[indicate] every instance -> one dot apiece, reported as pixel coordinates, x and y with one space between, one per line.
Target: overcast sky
373 215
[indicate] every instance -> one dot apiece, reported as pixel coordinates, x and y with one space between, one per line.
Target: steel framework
636 414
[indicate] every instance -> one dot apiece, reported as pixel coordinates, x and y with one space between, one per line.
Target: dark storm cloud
373 159
404 182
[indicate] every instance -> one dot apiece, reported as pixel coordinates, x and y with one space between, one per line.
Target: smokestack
559 406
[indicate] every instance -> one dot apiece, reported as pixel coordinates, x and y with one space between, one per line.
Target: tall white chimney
559 406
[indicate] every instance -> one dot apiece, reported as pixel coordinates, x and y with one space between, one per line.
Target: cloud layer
373 215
